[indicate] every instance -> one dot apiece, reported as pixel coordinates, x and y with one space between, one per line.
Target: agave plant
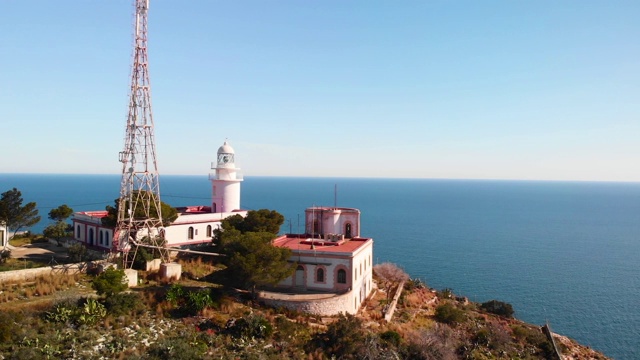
91 312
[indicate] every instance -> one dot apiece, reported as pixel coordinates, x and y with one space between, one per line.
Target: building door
347 231
299 279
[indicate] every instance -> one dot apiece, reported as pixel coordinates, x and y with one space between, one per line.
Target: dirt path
43 251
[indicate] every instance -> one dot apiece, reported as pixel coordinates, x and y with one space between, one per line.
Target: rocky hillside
199 319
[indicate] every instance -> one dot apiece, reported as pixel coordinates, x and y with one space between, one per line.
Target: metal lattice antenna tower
139 210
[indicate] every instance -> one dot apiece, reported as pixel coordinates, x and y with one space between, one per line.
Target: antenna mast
139 210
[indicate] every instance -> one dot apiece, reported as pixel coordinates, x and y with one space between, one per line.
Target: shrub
77 253
110 282
63 312
124 303
176 295
198 301
344 338
4 255
91 312
391 337
251 326
498 308
176 348
449 314
7 326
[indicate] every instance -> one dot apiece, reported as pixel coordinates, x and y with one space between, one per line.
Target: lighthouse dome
225 149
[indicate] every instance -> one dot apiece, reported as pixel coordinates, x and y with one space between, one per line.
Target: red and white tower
225 183
139 210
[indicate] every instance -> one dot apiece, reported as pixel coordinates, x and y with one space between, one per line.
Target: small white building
194 225
334 264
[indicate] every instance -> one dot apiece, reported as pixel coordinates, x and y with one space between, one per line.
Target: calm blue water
568 252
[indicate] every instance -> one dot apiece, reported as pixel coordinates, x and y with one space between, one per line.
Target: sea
566 253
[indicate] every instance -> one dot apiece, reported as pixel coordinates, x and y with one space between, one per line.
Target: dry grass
42 286
197 268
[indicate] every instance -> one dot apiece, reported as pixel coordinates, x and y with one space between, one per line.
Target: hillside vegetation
199 318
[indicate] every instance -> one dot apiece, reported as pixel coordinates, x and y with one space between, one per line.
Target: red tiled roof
299 242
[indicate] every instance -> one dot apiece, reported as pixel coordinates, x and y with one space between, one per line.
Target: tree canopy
262 220
13 214
61 213
251 258
60 228
169 213
253 261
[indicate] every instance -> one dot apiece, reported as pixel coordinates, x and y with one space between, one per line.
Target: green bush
91 312
123 304
498 308
87 313
176 295
77 253
7 326
391 337
449 314
251 326
110 282
344 338
63 312
198 301
176 348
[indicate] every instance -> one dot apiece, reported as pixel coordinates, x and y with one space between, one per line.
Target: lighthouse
225 183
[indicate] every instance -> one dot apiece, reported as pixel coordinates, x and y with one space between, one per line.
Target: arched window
78 232
101 237
208 230
315 227
320 275
347 231
90 236
106 238
190 233
342 276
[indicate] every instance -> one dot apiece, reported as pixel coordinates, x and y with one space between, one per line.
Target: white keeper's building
334 263
194 225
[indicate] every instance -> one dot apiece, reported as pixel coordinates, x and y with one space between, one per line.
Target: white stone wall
332 221
226 195
321 306
362 265
330 265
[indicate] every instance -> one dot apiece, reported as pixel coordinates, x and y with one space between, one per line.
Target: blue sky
536 90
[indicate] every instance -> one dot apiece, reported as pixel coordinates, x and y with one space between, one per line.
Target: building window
101 237
342 276
208 230
347 231
90 236
190 233
299 277
106 238
78 232
320 275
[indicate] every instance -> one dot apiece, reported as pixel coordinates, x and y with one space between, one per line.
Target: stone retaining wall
16 276
318 305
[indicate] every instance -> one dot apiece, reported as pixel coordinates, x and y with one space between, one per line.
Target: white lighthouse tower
225 183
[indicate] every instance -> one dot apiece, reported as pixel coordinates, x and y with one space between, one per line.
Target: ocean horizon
567 252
